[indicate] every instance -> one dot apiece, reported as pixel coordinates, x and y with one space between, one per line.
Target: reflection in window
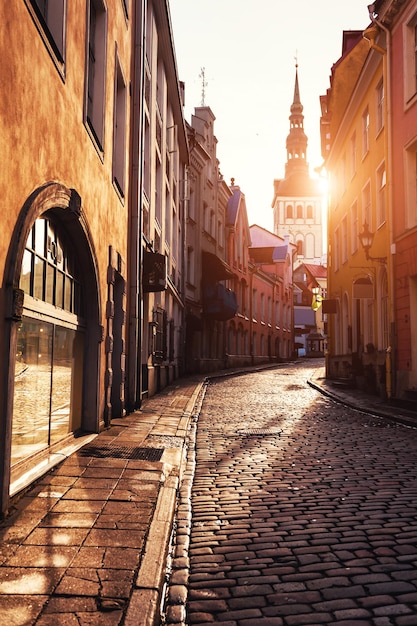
48 272
48 387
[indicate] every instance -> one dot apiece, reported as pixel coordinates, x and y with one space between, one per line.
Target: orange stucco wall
43 137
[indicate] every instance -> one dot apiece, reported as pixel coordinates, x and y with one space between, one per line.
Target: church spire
296 101
297 139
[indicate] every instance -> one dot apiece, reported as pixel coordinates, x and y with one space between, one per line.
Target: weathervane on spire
296 58
204 83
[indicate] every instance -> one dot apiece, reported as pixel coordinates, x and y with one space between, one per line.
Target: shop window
48 387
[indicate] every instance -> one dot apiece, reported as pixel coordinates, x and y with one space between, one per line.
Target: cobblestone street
304 512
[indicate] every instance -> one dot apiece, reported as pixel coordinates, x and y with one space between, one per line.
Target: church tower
298 201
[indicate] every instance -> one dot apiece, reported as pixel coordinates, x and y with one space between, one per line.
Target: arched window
48 269
310 245
299 211
289 211
309 212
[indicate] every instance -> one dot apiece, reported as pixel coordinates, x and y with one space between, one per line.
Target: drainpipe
371 34
134 374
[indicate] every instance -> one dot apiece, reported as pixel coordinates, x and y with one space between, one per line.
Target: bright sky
248 50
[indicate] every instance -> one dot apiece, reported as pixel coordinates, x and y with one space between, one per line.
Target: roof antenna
204 83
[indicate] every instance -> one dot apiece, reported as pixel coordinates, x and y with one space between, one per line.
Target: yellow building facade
354 146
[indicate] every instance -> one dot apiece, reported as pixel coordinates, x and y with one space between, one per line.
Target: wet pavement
90 542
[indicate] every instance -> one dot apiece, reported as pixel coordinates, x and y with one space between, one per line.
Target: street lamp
366 238
317 298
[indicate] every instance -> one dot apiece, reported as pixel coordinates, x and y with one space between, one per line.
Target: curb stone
173 611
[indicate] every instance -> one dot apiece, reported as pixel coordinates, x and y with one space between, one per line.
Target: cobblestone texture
313 522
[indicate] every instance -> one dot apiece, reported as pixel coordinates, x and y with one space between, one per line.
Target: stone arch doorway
51 280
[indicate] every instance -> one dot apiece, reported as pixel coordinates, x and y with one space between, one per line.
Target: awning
214 269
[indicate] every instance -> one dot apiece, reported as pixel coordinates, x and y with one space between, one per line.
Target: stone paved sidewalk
88 542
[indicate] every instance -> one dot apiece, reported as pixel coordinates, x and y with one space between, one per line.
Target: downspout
371 34
134 375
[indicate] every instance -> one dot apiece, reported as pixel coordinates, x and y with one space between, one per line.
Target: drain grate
260 431
122 452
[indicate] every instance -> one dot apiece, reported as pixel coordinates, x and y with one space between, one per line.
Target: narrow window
382 182
411 186
119 132
410 59
158 189
50 15
354 226
336 249
344 242
343 166
353 155
96 64
366 205
365 132
380 106
190 265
